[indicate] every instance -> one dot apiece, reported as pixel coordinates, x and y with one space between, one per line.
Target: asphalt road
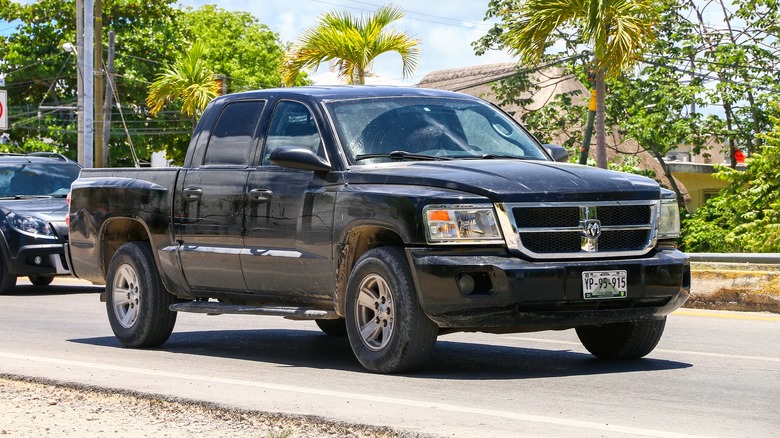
713 374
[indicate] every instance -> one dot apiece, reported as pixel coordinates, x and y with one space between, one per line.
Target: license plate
604 284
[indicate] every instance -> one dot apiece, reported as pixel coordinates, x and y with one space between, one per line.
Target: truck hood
512 180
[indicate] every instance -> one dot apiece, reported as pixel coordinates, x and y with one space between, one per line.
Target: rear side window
232 140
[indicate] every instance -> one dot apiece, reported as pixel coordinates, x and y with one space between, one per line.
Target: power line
406 16
34 63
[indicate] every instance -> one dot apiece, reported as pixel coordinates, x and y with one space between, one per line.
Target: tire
7 281
332 327
387 328
136 301
41 280
628 340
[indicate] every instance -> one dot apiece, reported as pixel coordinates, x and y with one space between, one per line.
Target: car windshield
36 179
415 128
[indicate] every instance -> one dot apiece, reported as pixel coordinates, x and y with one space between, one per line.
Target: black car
33 208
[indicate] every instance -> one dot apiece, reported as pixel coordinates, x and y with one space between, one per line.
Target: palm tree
188 79
617 30
352 43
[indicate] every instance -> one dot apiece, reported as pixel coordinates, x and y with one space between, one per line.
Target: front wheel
332 327
387 328
7 281
626 340
136 301
41 280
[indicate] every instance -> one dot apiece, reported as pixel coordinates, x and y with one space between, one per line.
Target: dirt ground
44 409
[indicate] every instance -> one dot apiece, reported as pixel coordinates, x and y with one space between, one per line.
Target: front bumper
514 295
39 260
29 255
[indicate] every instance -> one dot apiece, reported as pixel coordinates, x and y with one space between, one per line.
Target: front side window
232 140
379 129
292 125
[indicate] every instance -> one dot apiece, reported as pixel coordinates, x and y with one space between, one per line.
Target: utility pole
89 92
106 131
80 77
99 87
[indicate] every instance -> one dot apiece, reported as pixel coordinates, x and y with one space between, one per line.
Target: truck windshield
382 129
36 179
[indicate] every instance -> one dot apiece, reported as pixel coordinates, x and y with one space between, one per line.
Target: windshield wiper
401 155
497 156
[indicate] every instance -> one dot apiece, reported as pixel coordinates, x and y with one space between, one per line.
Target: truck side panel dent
109 208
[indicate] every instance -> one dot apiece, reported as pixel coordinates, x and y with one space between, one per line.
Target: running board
215 308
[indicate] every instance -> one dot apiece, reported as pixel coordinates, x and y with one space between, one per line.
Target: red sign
3 110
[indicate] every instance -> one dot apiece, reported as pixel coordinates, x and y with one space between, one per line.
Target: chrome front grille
580 230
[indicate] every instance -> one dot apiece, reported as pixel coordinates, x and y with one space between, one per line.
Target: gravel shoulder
32 408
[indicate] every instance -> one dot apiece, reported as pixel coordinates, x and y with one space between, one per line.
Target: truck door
212 200
289 217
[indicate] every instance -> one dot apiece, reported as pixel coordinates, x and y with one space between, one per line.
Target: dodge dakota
388 215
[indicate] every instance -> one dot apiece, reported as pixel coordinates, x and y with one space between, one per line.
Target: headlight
457 224
669 219
31 225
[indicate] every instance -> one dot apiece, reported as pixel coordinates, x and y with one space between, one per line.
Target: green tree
39 74
746 215
188 79
352 43
241 48
617 31
740 52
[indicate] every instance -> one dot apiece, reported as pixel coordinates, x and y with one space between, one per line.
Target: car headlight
458 224
31 225
669 219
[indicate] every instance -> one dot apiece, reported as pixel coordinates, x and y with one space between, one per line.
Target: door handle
192 193
260 195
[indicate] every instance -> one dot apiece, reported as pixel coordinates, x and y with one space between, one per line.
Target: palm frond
351 43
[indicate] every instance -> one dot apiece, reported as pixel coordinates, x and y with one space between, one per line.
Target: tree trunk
729 136
601 131
585 150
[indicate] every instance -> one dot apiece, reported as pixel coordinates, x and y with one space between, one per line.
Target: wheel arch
356 242
118 231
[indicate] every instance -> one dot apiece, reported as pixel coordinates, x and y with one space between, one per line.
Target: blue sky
445 29
445 32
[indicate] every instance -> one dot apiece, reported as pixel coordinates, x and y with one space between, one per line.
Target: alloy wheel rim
126 296
375 312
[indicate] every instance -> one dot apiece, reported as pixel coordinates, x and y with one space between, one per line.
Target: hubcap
375 312
126 297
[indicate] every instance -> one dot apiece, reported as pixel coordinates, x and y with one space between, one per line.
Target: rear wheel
387 328
41 280
627 340
136 301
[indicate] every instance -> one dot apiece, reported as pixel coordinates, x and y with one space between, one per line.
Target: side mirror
558 153
301 158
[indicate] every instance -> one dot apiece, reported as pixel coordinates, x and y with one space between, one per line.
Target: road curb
749 287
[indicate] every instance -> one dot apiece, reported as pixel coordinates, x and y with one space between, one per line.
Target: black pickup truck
390 215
